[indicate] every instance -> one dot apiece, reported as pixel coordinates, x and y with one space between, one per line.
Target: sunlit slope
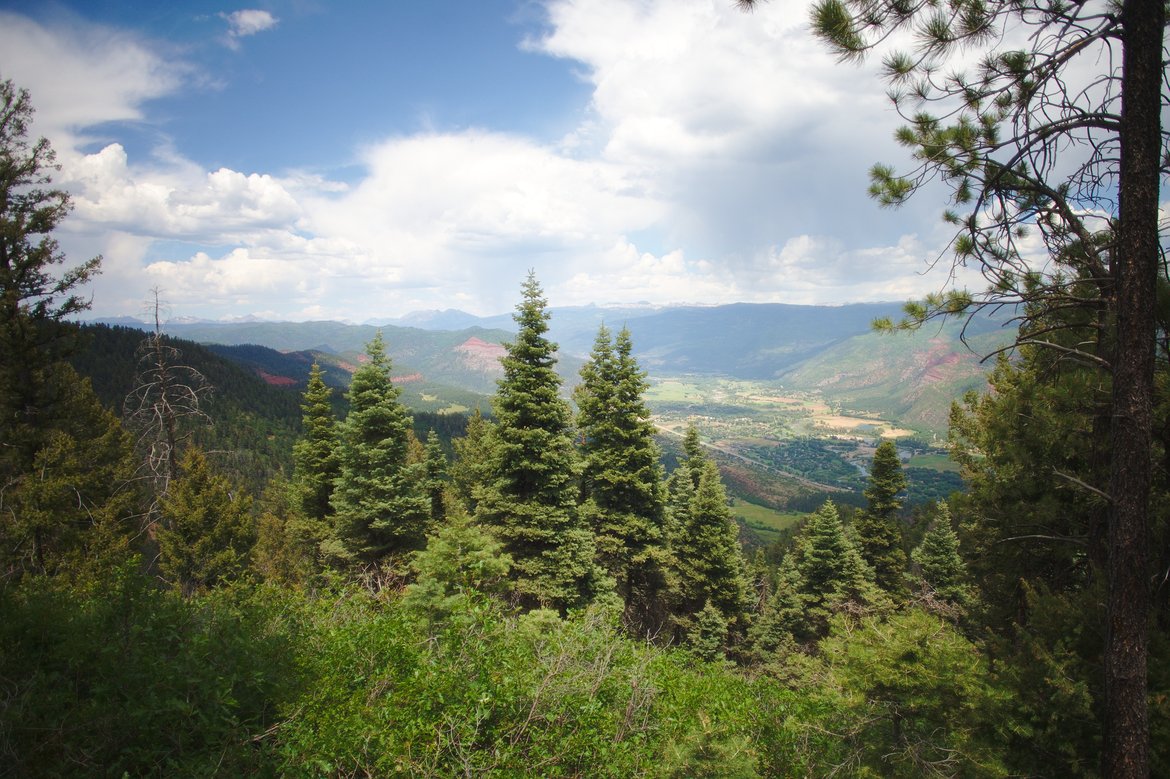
909 376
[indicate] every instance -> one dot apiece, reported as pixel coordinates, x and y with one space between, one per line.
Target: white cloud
222 206
246 22
719 151
743 122
82 75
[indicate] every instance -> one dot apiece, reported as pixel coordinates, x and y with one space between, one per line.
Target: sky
358 160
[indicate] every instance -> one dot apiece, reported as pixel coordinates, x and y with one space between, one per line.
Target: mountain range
910 377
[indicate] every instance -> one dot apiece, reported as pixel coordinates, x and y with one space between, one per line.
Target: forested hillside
313 563
825 349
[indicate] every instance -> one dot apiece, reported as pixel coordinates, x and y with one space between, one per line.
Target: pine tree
380 508
35 335
1045 121
315 460
708 562
530 500
939 560
621 483
63 472
878 532
206 532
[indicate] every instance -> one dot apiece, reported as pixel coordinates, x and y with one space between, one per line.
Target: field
934 461
764 522
789 446
737 409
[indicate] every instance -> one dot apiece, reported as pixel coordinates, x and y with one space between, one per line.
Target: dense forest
201 576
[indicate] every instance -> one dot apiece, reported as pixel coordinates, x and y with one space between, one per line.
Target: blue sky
303 159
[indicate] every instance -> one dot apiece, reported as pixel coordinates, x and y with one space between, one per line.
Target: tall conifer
621 483
471 470
831 570
379 504
878 532
708 563
315 454
435 475
35 304
531 498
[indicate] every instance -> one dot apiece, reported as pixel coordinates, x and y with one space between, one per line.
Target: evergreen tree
831 571
35 335
693 455
679 491
878 532
1045 121
315 454
206 531
621 483
471 470
708 640
71 511
289 543
63 467
530 499
435 475
380 507
461 562
938 558
708 562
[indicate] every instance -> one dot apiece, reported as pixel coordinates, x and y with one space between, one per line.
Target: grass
936 462
765 522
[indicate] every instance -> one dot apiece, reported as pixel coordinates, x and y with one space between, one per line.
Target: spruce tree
708 562
530 499
621 482
693 456
315 454
708 639
435 478
878 532
287 547
938 558
206 532
380 507
70 511
831 571
471 470
679 491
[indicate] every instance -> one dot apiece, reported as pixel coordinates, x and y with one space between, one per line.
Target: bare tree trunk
1127 726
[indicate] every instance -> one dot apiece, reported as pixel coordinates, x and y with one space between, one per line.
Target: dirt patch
277 381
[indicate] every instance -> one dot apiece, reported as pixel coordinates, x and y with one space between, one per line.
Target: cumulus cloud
738 117
712 164
221 206
246 22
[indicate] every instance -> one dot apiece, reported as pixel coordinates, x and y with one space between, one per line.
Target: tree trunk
1127 727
